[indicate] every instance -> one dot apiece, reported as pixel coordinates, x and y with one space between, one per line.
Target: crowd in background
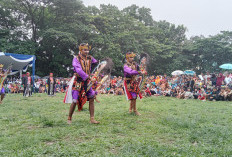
14 85
212 87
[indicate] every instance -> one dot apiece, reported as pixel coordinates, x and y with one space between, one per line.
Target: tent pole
33 72
21 74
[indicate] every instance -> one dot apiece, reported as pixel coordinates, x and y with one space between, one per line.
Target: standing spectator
213 80
220 80
192 83
207 77
227 80
27 84
51 85
37 84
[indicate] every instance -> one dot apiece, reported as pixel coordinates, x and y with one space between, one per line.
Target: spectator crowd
212 87
14 85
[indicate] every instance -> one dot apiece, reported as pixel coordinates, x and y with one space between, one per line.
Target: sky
201 17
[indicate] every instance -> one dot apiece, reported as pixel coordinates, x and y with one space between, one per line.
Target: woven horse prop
144 60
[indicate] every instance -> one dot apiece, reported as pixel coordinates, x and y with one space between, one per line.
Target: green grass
36 126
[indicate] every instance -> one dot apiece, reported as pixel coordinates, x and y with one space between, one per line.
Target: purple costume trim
2 91
90 94
128 72
134 95
78 69
75 94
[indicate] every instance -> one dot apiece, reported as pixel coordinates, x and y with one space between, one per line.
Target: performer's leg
2 97
30 91
131 106
71 110
134 107
24 91
2 93
133 97
27 91
91 111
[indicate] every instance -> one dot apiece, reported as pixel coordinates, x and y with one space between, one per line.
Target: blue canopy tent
19 62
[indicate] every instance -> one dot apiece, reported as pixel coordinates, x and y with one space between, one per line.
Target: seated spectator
107 89
195 93
119 91
173 92
208 93
111 91
153 89
201 94
147 91
167 92
221 95
229 94
214 95
188 94
181 94
158 92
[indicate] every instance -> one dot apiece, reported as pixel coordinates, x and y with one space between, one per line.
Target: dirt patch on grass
114 150
166 141
195 143
50 143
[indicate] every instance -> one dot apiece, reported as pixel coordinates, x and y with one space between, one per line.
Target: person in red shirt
113 82
27 84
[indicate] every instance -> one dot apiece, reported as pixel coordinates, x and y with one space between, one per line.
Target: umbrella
45 77
37 77
189 72
226 66
177 72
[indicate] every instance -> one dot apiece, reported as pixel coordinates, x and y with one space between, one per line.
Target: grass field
36 126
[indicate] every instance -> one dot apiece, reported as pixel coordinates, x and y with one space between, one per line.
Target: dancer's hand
8 72
144 72
93 79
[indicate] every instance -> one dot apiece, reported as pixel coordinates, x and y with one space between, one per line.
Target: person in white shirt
227 79
207 77
188 94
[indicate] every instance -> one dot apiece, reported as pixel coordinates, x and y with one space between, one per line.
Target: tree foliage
52 29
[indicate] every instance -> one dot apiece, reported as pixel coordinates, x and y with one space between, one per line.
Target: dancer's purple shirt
129 72
78 69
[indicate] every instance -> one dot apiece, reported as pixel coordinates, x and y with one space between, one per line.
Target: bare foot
93 121
137 113
69 121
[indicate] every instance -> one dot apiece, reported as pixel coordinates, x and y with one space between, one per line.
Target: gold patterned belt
127 79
